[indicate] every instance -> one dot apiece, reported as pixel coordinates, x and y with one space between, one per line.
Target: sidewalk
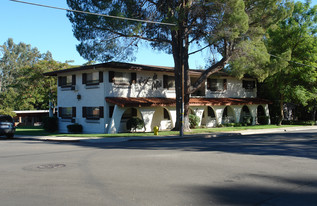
124 139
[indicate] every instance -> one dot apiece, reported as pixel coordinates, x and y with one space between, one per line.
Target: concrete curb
160 138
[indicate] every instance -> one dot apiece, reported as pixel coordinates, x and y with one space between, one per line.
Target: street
264 169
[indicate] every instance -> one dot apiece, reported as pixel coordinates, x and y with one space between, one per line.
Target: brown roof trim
160 101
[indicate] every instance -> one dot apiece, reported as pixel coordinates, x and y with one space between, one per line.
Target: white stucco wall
145 86
234 90
91 96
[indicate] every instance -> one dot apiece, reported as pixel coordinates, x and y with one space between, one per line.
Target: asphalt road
273 169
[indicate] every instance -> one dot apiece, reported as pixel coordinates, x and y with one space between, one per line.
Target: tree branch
134 36
211 70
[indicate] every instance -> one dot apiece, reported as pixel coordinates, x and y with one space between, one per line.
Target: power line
86 12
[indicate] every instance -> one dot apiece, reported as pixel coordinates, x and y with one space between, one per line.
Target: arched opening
128 114
261 116
162 119
245 115
260 111
209 117
227 115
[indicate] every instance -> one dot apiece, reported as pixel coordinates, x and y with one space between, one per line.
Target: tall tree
15 56
293 45
22 85
35 90
232 28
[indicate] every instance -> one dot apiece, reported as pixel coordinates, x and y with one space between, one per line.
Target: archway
162 119
209 117
228 115
245 115
128 114
260 111
261 116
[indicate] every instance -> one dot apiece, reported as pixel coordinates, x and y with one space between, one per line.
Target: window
248 84
67 81
67 112
217 84
93 78
93 113
122 78
168 82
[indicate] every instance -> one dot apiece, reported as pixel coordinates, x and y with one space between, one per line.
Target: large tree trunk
182 82
178 65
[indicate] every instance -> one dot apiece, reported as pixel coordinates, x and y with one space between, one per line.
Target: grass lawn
39 131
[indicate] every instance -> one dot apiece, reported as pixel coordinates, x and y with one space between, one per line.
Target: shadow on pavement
285 144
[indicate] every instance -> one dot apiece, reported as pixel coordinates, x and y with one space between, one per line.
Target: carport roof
161 101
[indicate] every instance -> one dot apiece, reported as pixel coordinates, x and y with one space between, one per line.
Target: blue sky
50 30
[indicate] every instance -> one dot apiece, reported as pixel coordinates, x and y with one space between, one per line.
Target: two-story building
102 97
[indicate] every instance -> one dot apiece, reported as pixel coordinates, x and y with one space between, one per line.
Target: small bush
263 120
193 121
75 128
229 125
135 123
247 120
237 125
50 124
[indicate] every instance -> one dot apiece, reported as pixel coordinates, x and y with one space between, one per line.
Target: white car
7 127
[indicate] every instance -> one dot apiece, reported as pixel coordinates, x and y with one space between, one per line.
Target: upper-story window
248 84
168 82
217 84
67 81
67 112
122 78
93 78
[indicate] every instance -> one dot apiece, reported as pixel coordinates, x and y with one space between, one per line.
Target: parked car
7 127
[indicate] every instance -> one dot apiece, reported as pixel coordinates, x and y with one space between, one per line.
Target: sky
50 30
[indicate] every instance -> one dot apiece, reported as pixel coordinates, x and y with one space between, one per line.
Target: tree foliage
294 46
23 86
232 29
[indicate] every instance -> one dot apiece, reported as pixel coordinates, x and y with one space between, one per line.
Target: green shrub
50 124
229 125
292 122
75 128
263 120
237 125
135 123
193 121
247 120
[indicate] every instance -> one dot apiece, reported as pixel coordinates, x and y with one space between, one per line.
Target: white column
267 112
172 111
147 115
237 112
218 112
253 111
115 120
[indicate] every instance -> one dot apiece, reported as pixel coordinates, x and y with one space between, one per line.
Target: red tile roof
160 101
